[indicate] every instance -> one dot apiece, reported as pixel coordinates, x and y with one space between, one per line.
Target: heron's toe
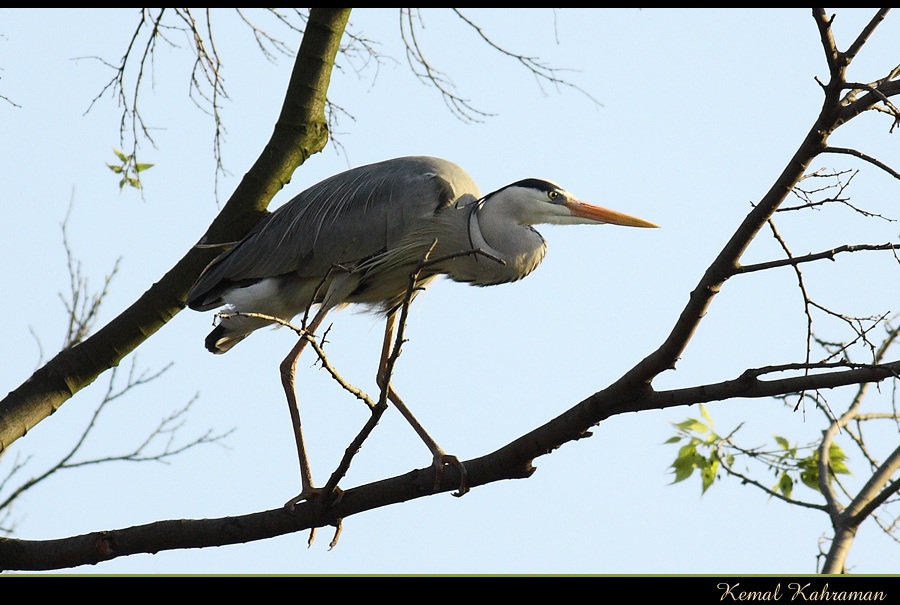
307 495
440 461
314 494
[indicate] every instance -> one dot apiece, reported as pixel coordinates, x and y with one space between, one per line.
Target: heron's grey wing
341 220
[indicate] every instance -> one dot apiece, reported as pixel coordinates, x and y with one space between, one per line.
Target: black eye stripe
551 190
539 184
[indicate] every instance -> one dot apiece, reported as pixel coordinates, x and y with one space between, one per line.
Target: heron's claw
338 528
439 461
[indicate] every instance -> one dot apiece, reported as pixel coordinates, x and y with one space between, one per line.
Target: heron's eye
553 195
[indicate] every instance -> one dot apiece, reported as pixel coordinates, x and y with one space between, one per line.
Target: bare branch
836 61
7 99
866 33
184 28
83 308
543 73
807 196
800 284
411 21
865 157
748 386
166 431
317 347
269 45
814 256
424 71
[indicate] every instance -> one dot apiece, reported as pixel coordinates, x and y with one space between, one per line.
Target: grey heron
355 238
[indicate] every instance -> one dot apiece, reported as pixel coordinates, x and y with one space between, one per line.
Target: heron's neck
498 232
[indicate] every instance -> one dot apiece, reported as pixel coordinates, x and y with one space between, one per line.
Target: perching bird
357 236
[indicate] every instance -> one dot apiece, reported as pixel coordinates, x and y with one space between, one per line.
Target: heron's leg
440 456
288 368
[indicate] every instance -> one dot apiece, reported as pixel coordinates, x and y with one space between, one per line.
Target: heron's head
536 201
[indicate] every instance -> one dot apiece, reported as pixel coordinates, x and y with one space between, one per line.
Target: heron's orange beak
605 215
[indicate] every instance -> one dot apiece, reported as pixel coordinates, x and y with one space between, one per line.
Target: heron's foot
316 494
307 495
442 459
313 494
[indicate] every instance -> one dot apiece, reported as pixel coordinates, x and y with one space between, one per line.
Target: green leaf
708 474
706 415
837 458
692 424
684 468
685 461
809 474
121 155
785 485
688 450
142 167
782 442
674 439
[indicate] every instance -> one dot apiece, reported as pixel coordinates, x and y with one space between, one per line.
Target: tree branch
864 157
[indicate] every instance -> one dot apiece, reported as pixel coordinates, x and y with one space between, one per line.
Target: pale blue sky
700 110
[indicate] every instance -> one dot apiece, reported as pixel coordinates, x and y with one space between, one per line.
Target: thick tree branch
512 461
878 489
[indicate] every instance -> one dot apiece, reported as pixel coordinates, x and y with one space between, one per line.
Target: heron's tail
230 331
220 341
